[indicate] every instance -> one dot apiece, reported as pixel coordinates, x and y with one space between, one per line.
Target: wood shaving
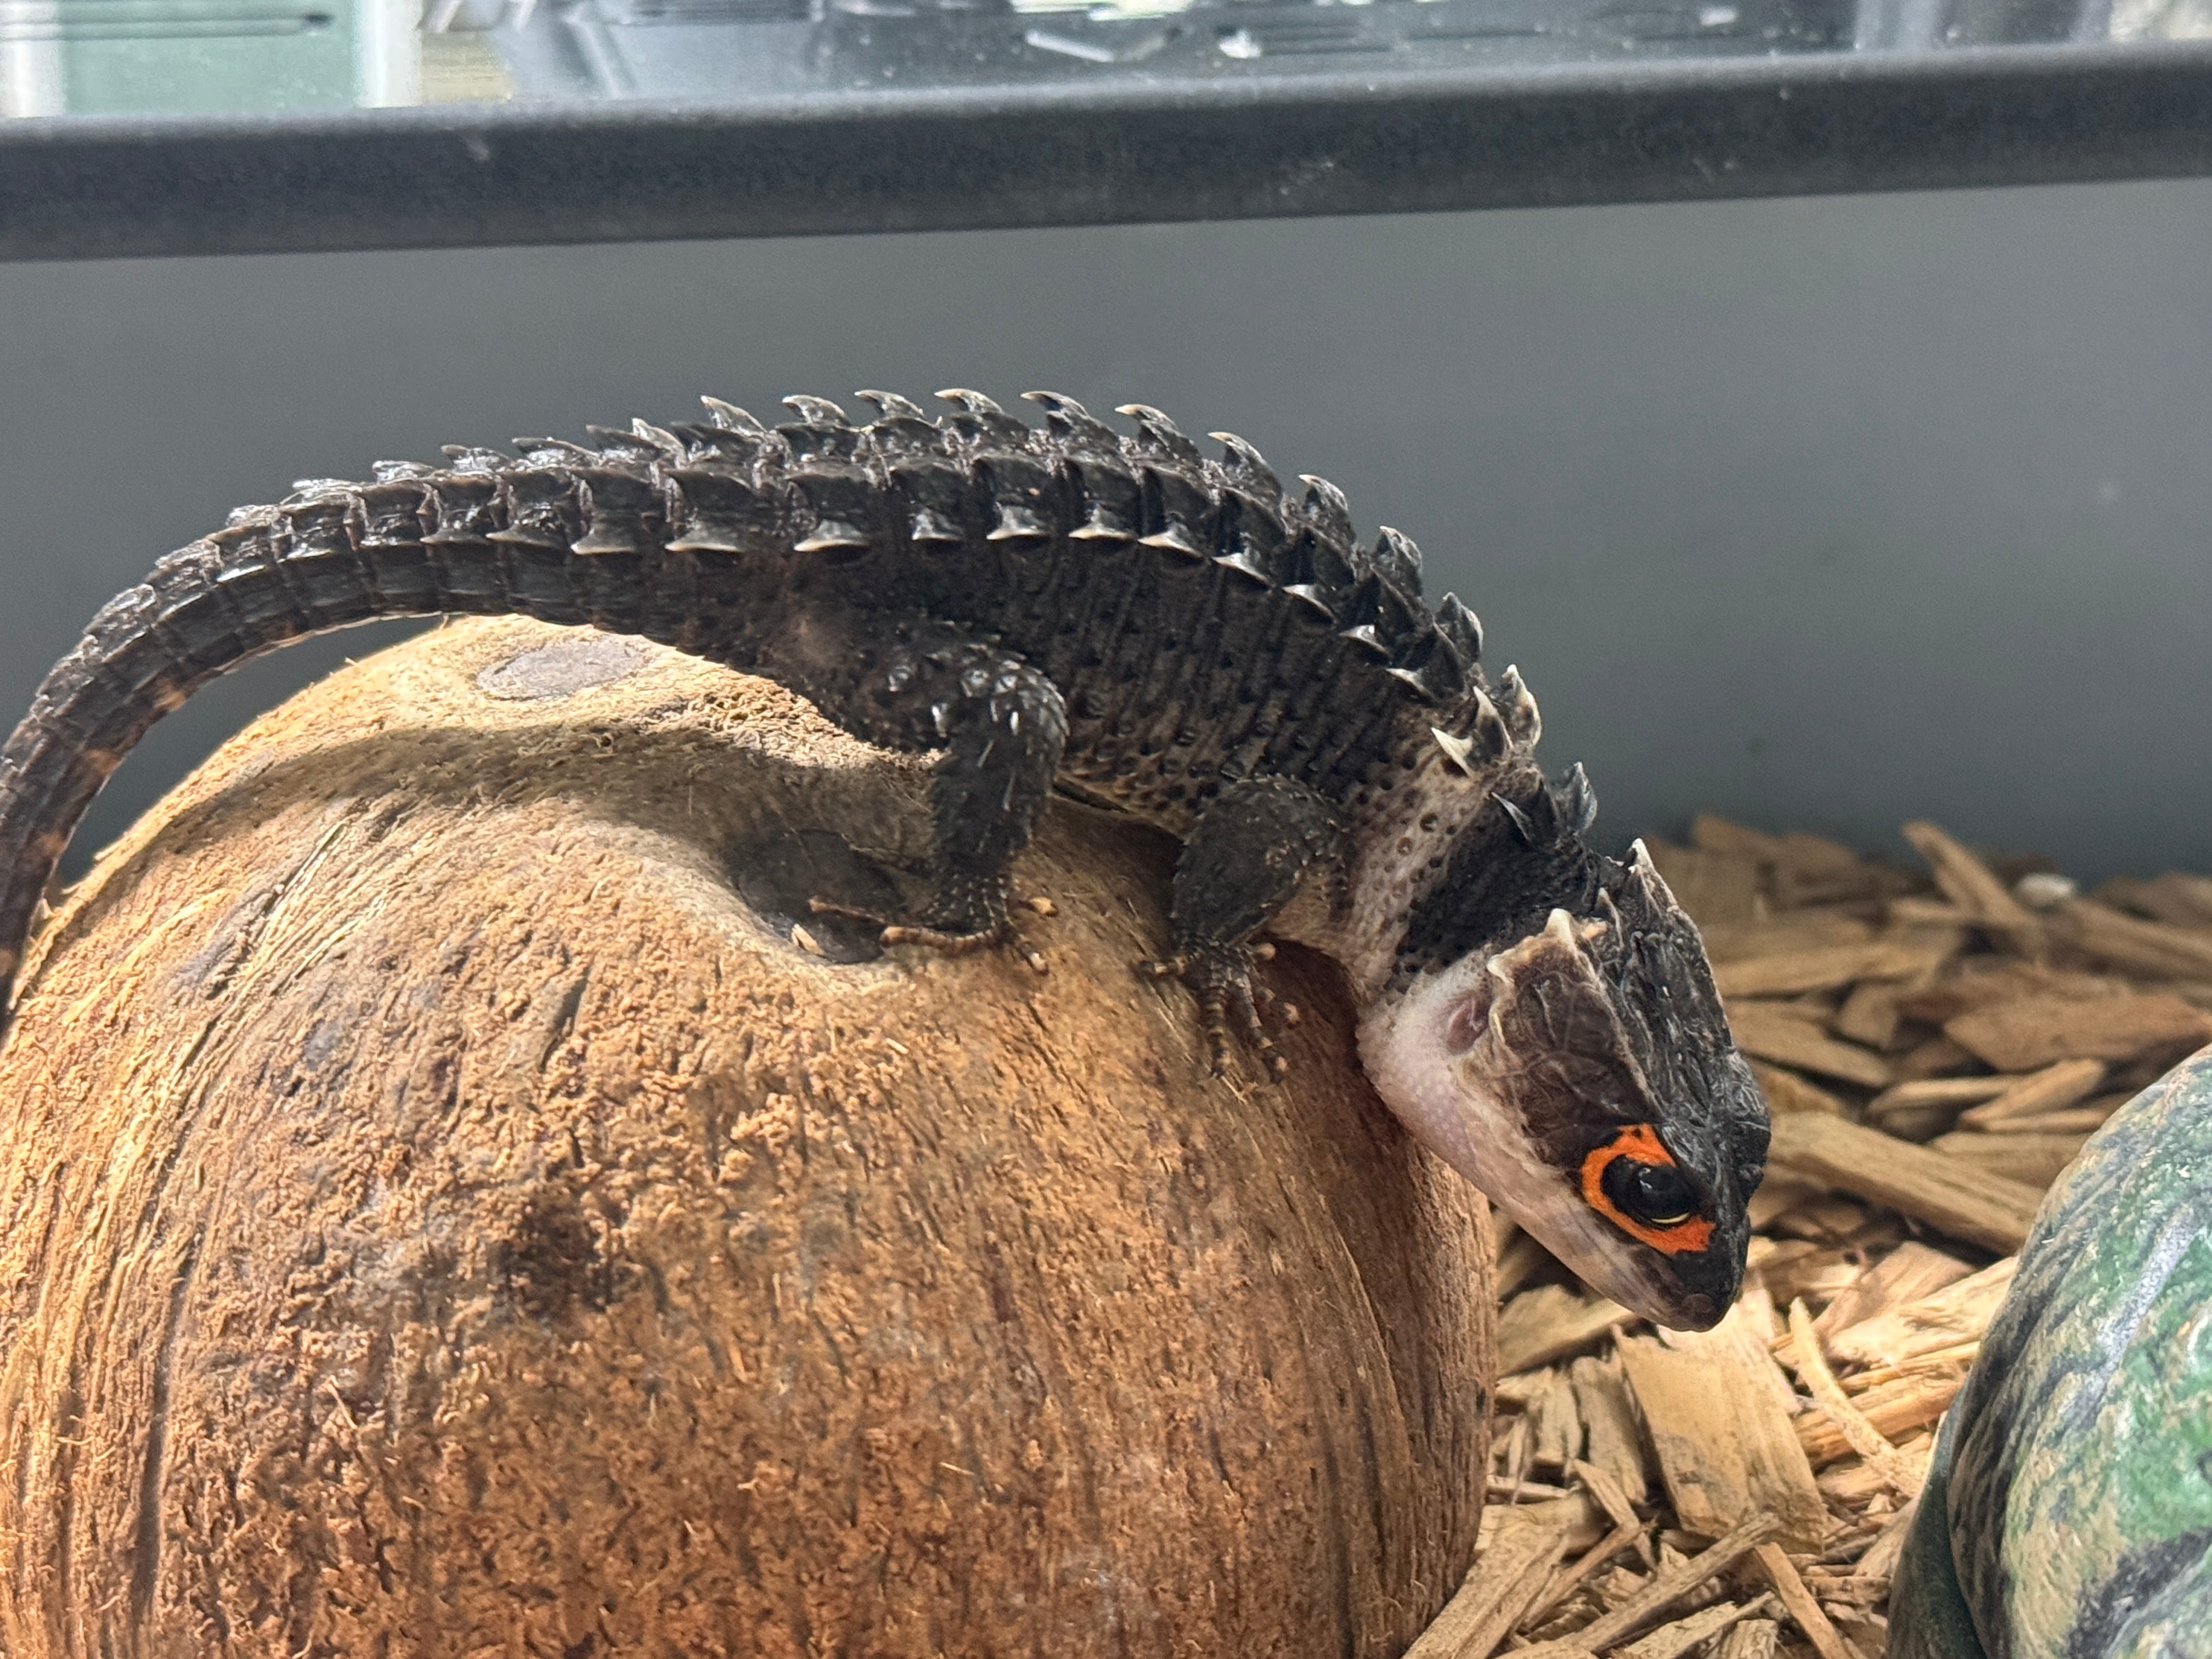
1935 1047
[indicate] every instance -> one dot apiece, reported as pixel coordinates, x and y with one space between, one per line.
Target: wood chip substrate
1936 1046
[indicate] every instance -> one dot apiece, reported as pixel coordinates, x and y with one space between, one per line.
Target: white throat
1436 1094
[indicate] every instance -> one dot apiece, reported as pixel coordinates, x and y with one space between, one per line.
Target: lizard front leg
1252 848
1001 724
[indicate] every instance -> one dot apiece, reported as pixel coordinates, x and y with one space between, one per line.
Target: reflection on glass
124 56
190 57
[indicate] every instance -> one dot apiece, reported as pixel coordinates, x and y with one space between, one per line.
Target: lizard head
1553 1034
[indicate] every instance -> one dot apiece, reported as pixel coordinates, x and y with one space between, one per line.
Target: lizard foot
1222 979
946 941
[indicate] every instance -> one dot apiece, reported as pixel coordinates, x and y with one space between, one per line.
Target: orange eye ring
1639 1145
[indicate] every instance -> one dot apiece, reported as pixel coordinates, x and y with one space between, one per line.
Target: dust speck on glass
219 56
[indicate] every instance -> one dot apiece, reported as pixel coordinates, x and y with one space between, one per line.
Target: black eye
1654 1193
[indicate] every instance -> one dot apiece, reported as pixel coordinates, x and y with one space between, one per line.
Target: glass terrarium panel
202 57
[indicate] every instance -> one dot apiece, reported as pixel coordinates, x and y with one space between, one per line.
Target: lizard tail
336 558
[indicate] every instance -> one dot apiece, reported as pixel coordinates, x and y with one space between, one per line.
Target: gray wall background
1822 514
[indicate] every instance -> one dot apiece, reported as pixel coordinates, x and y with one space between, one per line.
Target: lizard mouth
1518 1069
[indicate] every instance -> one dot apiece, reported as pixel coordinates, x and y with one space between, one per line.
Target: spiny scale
1117 614
1152 489
1189 624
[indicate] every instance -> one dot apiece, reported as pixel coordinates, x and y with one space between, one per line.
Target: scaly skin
1115 616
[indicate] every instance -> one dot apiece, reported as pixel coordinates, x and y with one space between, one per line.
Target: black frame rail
970 158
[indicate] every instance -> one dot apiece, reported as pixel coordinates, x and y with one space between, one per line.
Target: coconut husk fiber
444 1209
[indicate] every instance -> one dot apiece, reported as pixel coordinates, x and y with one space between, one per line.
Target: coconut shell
456 1200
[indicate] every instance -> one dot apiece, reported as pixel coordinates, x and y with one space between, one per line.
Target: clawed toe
1221 980
944 941
948 944
822 907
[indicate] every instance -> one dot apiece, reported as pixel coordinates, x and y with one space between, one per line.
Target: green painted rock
2069 1512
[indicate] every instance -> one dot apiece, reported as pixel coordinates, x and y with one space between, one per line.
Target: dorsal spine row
823 486
652 531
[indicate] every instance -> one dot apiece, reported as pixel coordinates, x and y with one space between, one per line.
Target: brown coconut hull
440 1216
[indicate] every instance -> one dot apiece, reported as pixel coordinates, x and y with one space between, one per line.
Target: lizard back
1201 625
1165 632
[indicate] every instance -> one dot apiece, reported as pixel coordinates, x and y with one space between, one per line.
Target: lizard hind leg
1001 724
1250 851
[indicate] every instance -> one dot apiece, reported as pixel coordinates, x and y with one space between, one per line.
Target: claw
1247 1005
1221 978
822 907
965 943
1286 1013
